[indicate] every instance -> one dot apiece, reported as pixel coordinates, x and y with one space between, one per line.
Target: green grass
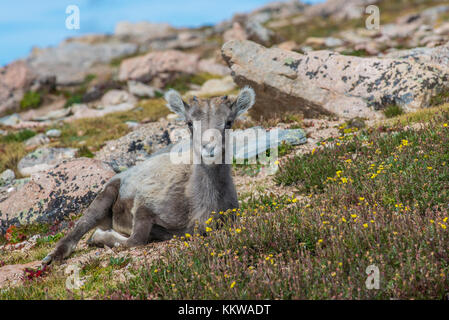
10 155
18 136
356 53
439 99
85 152
422 115
76 95
12 149
30 100
399 164
393 111
74 98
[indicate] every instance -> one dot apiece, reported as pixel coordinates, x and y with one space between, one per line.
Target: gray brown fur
158 199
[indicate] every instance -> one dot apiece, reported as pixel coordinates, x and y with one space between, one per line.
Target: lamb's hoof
52 258
56 255
47 260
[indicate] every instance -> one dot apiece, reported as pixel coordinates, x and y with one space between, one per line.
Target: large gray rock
261 140
162 65
15 79
324 82
51 195
249 143
44 159
70 62
139 144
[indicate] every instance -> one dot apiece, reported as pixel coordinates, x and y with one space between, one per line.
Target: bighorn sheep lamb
158 198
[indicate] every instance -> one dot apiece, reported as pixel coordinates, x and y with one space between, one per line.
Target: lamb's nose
208 150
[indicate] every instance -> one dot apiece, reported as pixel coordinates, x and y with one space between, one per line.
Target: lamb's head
209 120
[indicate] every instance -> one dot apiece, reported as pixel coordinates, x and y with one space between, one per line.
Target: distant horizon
25 24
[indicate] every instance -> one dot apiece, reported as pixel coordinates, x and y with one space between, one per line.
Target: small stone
53 133
116 97
214 87
7 176
38 140
132 124
10 120
141 90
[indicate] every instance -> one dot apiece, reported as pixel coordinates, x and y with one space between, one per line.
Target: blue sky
28 23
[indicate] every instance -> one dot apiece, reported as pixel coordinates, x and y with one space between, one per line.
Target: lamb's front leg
99 212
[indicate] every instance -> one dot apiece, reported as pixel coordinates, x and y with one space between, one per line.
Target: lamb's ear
244 101
175 102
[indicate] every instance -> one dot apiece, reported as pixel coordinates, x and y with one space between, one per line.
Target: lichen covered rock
330 83
53 194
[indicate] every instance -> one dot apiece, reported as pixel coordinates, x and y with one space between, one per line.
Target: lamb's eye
190 124
228 125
